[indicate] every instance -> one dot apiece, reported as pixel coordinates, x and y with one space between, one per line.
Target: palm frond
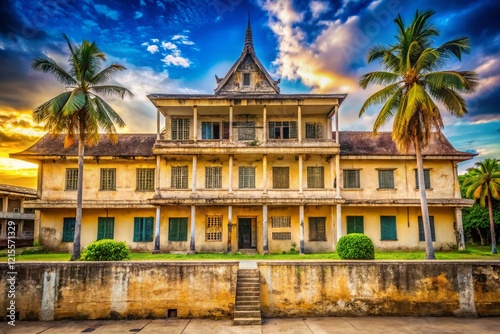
106 112
378 78
112 90
379 97
455 47
462 81
76 102
48 65
106 74
388 110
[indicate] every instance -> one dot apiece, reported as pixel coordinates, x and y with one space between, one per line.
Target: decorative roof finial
248 36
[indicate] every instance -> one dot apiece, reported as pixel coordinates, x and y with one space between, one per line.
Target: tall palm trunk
429 248
492 226
75 255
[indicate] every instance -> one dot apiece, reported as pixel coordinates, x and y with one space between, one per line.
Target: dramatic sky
178 46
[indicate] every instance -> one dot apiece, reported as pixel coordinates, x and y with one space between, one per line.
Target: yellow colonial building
246 169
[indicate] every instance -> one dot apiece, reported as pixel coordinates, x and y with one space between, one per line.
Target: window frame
247 79
68 231
246 177
312 181
213 228
278 177
313 130
273 126
388 228
246 130
346 173
421 232
177 233
427 178
281 222
213 180
179 177
355 224
107 179
209 130
144 182
388 178
281 235
143 229
180 128
105 227
315 224
71 178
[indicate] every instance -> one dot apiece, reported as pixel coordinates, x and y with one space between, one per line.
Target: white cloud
90 26
152 48
318 8
108 12
138 15
145 44
155 40
168 46
345 4
175 59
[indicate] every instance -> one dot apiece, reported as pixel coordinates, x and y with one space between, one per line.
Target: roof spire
248 36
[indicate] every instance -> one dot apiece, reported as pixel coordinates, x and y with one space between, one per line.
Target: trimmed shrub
356 246
106 250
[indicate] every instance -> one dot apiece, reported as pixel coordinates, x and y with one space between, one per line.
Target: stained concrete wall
84 290
416 288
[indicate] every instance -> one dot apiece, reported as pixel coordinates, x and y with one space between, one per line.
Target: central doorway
247 233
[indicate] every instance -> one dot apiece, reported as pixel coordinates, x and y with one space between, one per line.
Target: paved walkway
367 325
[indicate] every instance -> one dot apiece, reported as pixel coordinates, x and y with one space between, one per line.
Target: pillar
337 176
230 185
156 249
337 124
265 246
460 229
229 228
264 174
264 125
301 219
339 222
300 174
193 172
299 123
230 123
157 124
192 246
195 125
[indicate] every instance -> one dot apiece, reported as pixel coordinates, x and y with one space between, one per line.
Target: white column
193 172
230 123
301 222
332 229
229 228
337 175
264 125
300 174
460 229
329 126
339 222
332 173
192 246
195 125
230 174
157 175
337 124
157 124
299 123
157 231
264 174
265 247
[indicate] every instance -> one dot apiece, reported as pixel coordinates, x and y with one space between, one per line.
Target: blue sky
179 47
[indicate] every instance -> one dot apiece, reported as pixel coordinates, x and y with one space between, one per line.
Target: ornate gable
247 75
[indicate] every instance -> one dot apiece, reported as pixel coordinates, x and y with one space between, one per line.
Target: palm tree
413 78
79 112
483 181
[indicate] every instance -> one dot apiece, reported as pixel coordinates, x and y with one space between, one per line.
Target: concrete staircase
247 306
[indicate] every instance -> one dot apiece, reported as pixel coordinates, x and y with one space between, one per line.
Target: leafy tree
483 182
414 78
79 112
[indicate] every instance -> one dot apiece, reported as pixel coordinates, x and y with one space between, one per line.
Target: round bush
106 250
356 246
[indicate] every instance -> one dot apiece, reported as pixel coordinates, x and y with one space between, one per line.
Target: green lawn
471 253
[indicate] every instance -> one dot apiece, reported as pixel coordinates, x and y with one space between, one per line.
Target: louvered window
421 233
177 229
213 228
427 178
179 177
281 222
351 178
246 177
388 228
68 229
282 236
317 229
281 178
213 177
386 179
145 179
105 228
315 177
108 179
180 128
314 130
71 178
355 224
143 229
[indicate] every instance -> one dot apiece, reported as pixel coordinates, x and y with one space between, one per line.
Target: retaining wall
93 290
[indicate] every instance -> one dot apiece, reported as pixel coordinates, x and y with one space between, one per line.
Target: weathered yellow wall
406 225
94 290
411 288
54 180
441 175
123 290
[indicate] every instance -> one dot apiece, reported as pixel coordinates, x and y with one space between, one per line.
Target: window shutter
173 229
183 229
206 130
137 229
388 228
100 229
68 230
225 130
110 229
355 224
427 178
421 232
293 130
271 130
148 234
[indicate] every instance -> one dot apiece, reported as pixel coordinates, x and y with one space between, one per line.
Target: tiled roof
245 96
365 143
129 145
140 145
7 188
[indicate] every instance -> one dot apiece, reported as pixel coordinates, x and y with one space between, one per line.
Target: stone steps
247 304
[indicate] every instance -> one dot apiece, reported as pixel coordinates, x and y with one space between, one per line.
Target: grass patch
471 253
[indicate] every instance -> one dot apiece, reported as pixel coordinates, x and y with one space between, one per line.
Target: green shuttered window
68 229
105 228
317 229
177 229
143 229
386 179
421 234
351 179
427 178
355 224
388 228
